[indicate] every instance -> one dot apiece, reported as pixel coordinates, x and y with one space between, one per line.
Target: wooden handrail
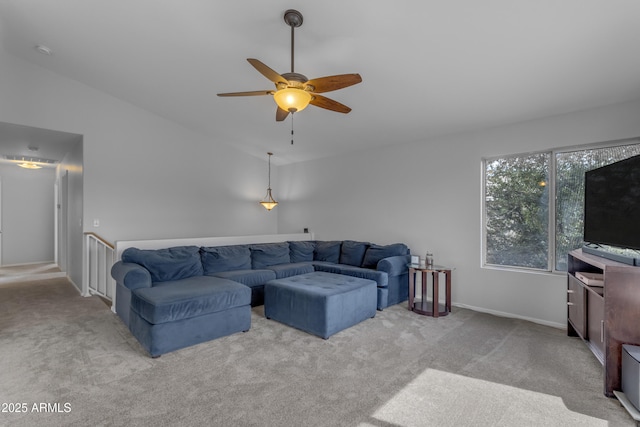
98 237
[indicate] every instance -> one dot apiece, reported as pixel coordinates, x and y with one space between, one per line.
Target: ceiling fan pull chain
292 128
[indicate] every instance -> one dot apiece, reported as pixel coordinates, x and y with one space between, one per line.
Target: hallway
26 272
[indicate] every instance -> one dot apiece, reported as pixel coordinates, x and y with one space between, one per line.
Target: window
518 209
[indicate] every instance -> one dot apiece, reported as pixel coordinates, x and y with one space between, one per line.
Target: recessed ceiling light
43 49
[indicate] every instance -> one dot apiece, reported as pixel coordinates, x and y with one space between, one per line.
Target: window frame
551 208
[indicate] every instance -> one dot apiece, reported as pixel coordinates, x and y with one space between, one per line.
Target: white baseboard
78 288
22 264
513 316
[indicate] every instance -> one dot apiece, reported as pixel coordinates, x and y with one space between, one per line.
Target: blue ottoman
320 303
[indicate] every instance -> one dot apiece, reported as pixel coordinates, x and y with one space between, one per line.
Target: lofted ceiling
429 67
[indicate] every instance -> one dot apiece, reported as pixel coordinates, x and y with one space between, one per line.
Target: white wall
428 195
72 166
27 214
143 176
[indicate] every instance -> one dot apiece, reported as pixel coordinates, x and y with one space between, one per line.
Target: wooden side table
435 309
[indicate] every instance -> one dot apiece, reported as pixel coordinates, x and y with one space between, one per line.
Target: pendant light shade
269 202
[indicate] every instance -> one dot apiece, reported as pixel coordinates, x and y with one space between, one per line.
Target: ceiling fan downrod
293 18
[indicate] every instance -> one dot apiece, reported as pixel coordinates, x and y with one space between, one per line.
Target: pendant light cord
270 154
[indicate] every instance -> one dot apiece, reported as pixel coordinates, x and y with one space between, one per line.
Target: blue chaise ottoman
320 303
181 313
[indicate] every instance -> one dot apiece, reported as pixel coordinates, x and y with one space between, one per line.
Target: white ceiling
429 67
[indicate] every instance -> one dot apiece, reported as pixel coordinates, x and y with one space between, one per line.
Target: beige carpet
398 369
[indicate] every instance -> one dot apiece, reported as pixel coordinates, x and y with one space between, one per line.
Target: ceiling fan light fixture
292 99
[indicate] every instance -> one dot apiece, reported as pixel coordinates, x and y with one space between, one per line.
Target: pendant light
268 202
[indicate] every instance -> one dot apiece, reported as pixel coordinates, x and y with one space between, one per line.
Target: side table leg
412 287
448 291
423 300
434 303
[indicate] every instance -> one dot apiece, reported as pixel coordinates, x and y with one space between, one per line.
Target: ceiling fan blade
281 114
252 93
267 72
329 83
329 104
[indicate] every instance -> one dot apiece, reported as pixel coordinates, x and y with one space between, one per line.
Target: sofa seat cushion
293 269
187 298
380 277
251 278
322 263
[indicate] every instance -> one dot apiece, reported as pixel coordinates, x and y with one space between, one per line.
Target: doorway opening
41 209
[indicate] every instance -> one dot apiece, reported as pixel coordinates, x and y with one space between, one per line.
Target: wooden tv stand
607 316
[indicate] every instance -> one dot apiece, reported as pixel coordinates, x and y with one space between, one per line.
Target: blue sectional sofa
176 297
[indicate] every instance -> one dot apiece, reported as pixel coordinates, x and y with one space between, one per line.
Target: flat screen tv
612 204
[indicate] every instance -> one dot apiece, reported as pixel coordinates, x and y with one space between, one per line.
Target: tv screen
612 204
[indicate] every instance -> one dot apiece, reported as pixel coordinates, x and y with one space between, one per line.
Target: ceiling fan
294 92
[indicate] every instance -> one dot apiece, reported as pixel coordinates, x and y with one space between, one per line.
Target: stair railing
99 258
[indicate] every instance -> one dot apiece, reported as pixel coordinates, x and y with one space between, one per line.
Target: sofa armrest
394 265
131 275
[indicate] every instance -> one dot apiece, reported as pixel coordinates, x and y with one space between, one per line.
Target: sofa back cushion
175 263
328 251
265 254
352 253
375 253
216 259
301 251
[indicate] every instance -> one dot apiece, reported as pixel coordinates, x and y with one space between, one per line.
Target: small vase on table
428 260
